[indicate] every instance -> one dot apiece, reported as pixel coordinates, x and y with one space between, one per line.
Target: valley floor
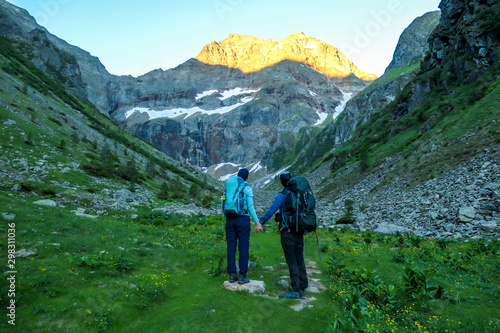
164 273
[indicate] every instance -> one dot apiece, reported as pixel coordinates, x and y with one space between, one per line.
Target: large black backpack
299 205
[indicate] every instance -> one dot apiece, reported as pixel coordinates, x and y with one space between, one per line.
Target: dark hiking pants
238 234
293 247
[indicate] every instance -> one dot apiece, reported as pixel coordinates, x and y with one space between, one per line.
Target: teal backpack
233 201
299 205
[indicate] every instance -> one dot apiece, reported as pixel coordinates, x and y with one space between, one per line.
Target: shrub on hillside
348 217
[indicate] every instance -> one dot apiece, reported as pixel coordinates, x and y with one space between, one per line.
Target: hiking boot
302 294
291 294
233 278
243 280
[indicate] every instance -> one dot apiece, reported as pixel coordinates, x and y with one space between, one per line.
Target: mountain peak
250 54
298 35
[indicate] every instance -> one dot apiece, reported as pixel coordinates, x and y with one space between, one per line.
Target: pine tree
132 171
363 159
150 169
62 144
106 161
194 191
164 192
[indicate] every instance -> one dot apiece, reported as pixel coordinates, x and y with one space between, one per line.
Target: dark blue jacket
276 205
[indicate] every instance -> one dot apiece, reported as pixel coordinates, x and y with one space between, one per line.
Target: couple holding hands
238 233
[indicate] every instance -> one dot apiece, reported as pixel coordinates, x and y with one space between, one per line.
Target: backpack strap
317 244
297 210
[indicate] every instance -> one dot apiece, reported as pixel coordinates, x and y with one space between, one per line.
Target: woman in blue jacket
238 234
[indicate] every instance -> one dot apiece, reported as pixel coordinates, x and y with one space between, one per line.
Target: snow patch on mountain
205 93
270 177
235 92
257 166
187 112
184 113
322 117
220 165
341 107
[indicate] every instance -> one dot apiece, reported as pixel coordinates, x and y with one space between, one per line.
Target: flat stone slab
254 286
87 215
47 202
24 253
303 304
388 228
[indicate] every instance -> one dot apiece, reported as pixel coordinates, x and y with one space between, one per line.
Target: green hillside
44 124
461 124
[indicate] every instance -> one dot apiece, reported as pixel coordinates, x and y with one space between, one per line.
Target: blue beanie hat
243 173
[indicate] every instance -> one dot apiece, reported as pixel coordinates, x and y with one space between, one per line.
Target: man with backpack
237 206
292 237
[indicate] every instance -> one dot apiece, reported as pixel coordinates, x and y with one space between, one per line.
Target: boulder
466 214
8 216
123 195
313 289
284 283
488 225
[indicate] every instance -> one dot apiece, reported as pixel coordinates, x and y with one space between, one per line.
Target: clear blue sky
134 37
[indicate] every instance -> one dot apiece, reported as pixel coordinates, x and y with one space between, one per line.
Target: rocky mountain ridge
412 43
251 54
463 48
77 70
409 52
207 115
201 114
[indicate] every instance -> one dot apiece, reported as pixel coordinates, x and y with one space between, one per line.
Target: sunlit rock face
242 101
204 115
250 54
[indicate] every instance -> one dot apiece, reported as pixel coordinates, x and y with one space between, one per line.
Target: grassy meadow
159 273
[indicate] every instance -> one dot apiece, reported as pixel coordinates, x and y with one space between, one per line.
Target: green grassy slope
444 131
43 123
115 274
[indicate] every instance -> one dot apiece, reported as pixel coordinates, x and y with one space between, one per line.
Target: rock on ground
254 286
8 216
24 253
47 202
